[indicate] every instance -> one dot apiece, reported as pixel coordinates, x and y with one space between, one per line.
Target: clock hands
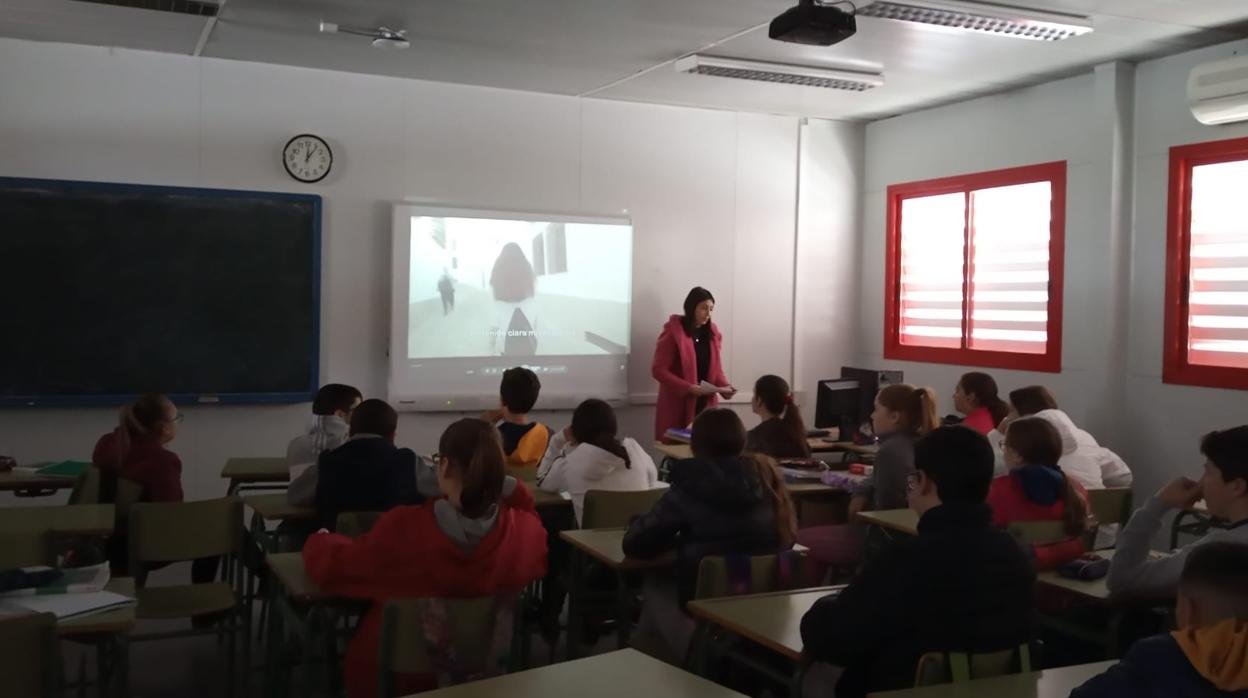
309 155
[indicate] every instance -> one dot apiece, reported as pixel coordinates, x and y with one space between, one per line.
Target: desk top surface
118 620
773 620
268 469
274 507
1050 683
24 480
606 545
288 569
624 673
903 520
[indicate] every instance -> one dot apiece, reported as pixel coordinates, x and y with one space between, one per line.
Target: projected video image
487 287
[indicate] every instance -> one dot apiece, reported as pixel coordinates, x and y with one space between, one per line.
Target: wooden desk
26 484
1051 683
109 632
255 474
773 620
548 500
274 507
117 620
901 520
75 519
624 673
287 569
683 451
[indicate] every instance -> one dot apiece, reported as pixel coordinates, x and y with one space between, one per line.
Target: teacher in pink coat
687 354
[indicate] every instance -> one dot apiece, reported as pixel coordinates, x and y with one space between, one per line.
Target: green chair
86 487
1038 532
526 475
959 667
609 509
455 640
30 656
186 531
1111 505
354 524
735 575
25 549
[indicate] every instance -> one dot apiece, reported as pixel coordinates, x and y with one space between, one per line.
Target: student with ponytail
590 456
976 397
782 434
1036 489
481 538
136 451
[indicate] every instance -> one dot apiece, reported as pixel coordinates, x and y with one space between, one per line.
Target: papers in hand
708 388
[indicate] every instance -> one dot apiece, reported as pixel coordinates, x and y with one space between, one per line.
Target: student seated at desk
136 451
1036 489
902 414
368 472
588 456
976 397
482 538
330 427
782 433
959 585
1207 657
524 442
1094 466
721 502
1224 487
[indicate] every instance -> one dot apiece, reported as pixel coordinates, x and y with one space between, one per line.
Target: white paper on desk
709 388
71 605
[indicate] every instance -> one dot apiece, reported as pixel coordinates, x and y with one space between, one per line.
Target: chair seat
182 601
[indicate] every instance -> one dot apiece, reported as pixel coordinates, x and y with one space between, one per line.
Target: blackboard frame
314 200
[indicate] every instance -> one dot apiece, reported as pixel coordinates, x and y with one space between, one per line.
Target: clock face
307 158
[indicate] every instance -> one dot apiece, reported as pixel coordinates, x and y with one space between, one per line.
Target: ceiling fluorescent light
987 18
779 73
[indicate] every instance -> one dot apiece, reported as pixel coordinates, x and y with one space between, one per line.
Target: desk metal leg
576 590
623 603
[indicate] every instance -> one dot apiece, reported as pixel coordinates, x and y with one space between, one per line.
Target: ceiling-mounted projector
813 24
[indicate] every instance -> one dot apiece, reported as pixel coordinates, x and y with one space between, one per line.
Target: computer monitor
837 405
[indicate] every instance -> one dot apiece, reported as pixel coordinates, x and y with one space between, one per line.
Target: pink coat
675 367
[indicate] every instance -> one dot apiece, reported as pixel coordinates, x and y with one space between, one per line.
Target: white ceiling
621 49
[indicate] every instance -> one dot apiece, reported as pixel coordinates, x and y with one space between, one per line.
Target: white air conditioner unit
1218 91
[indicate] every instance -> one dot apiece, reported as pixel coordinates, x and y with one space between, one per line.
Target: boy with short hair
524 442
331 410
1224 487
368 472
959 585
1207 657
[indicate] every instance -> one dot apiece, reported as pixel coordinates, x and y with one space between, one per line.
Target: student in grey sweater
331 410
1224 487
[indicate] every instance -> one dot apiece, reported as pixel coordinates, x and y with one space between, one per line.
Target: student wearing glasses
136 451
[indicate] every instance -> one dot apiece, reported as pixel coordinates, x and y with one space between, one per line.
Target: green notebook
66 468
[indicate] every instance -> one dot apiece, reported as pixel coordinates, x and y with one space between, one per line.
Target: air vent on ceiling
779 73
987 18
182 7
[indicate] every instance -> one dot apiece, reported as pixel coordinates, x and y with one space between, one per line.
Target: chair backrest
25 549
176 531
456 640
608 509
958 667
526 475
126 494
1038 532
354 524
1110 505
30 656
86 487
735 575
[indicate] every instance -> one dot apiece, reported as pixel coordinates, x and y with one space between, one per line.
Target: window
974 269
1207 266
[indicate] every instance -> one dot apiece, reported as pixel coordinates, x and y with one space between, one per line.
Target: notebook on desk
66 606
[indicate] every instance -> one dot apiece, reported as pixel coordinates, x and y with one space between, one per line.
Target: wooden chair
30 656
177 532
86 487
455 640
1038 532
526 475
1111 505
354 524
610 509
959 667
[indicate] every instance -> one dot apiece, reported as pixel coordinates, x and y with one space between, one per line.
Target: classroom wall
713 194
1113 126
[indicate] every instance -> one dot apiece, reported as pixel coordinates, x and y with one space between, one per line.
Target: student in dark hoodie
960 585
1207 657
368 472
721 502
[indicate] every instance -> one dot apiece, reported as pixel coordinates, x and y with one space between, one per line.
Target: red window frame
1051 360
1175 366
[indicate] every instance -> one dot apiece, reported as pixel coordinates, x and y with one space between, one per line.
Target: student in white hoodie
1089 463
331 418
588 456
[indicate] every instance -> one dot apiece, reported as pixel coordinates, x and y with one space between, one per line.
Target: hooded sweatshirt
716 506
324 433
431 551
578 468
1205 662
1092 465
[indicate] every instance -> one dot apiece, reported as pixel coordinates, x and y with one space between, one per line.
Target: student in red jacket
976 396
136 451
1036 489
482 538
